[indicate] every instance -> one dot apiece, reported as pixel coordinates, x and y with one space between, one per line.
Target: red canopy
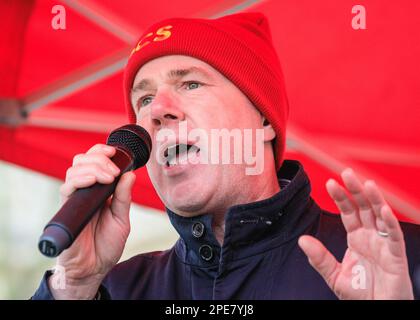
354 94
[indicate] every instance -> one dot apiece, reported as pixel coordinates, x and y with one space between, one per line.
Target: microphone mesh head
134 139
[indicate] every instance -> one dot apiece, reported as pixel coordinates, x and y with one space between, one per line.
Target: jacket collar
249 228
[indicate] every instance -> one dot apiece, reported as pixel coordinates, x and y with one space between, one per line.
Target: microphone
133 146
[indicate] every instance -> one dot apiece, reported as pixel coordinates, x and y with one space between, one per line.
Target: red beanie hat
239 46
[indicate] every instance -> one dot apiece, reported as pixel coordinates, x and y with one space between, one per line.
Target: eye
192 85
144 101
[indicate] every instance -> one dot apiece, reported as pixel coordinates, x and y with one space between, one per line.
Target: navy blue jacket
259 259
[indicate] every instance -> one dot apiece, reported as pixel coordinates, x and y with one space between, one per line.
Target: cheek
245 116
153 171
145 122
210 112
144 114
230 110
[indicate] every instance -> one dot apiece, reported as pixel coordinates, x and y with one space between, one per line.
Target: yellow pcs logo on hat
161 35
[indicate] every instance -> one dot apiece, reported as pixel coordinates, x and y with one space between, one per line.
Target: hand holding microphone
94 226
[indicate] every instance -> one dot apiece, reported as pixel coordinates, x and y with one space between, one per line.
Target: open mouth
179 153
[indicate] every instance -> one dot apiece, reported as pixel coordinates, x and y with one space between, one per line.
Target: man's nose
165 109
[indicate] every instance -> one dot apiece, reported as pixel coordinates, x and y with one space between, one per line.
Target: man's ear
269 133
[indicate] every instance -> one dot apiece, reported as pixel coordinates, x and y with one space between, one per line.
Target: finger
83 177
392 224
320 258
98 158
374 196
102 148
121 200
396 238
67 189
377 201
349 214
102 175
355 187
380 224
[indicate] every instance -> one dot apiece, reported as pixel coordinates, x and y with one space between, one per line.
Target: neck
264 187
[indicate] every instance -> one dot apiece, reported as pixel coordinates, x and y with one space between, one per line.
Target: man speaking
244 234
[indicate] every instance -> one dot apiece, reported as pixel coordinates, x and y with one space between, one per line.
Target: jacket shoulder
412 246
331 232
136 277
142 262
411 232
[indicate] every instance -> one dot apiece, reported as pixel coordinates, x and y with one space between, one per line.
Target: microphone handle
79 209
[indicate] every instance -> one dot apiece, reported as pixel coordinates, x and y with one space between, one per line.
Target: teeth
180 152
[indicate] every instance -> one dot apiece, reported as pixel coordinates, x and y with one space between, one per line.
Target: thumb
121 200
320 258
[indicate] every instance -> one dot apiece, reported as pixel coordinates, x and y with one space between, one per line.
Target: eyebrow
173 74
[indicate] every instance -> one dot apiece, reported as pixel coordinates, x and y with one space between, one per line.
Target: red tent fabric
354 94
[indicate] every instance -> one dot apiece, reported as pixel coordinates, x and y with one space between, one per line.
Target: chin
187 200
187 195
186 208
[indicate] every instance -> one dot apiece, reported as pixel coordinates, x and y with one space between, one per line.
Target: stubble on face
211 188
